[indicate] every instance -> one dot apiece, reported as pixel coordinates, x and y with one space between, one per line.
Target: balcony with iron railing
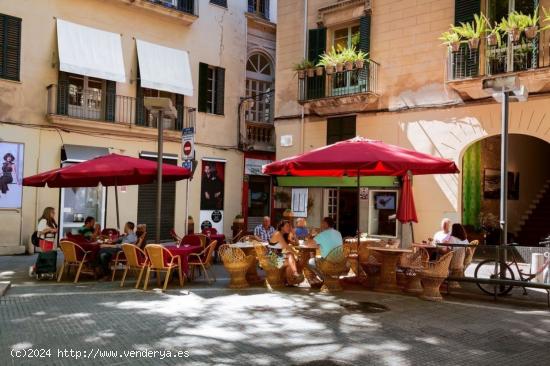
116 112
529 59
185 10
353 90
259 130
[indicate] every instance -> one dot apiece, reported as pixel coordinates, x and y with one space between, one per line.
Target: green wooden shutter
203 87
340 128
63 93
140 107
10 47
364 45
220 90
317 44
187 6
180 110
110 100
464 13
251 7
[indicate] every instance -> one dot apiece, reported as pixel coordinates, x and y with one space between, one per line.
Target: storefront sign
188 143
254 166
11 176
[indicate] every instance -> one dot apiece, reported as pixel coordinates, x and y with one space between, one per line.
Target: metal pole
117 211
504 182
159 175
186 231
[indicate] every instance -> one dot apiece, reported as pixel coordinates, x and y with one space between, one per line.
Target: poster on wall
212 193
299 202
11 176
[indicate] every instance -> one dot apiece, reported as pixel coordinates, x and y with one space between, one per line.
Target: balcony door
346 82
259 81
86 97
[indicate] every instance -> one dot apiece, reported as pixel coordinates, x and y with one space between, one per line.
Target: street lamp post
163 107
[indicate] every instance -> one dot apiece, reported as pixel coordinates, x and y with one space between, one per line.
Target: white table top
245 244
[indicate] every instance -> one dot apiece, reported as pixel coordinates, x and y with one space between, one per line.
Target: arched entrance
529 188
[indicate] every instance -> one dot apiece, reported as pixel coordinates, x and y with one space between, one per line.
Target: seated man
444 235
108 251
328 239
90 230
265 230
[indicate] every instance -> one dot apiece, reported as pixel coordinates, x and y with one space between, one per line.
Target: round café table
388 271
183 252
248 249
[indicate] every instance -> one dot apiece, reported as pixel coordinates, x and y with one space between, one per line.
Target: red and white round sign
187 148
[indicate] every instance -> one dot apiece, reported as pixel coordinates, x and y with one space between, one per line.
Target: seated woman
281 237
301 229
458 235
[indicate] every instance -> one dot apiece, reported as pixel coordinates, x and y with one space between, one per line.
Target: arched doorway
529 189
259 80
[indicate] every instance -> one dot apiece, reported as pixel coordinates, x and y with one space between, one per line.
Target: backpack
35 240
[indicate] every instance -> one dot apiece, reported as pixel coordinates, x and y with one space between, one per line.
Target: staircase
535 225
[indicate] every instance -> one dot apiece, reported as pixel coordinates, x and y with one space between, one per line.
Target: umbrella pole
159 176
117 211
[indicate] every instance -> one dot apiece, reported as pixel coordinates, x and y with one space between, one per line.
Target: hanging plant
513 25
494 38
532 24
472 32
451 39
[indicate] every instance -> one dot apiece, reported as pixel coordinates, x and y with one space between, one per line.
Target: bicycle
507 273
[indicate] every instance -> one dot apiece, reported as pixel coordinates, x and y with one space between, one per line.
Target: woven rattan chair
274 274
136 259
161 260
73 256
470 251
203 260
332 267
432 276
236 263
371 263
203 238
412 264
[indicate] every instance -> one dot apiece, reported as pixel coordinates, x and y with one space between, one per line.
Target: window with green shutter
340 129
211 89
317 44
466 61
10 47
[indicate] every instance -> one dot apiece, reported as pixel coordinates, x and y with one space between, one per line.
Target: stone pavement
294 326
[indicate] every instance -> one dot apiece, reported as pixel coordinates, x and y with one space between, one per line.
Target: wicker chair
470 251
203 238
332 267
136 259
432 276
456 268
73 256
371 263
274 274
236 263
161 260
120 258
412 264
203 260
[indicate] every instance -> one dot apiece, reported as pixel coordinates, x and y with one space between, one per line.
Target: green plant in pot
494 36
360 58
531 24
472 32
300 69
513 25
348 57
451 39
328 61
310 69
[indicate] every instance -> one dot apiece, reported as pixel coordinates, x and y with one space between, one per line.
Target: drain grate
366 307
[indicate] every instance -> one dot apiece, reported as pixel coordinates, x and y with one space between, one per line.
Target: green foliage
449 37
304 64
476 29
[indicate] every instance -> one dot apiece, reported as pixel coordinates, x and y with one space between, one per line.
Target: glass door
85 97
383 213
346 82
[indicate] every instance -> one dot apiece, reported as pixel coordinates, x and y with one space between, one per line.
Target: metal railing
259 119
338 84
261 133
186 6
493 60
96 105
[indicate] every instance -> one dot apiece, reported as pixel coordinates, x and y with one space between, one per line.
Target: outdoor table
248 249
183 252
388 273
93 247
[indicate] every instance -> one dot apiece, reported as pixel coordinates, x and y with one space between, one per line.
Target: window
260 7
219 2
340 129
85 96
346 38
259 82
382 213
10 47
151 119
211 89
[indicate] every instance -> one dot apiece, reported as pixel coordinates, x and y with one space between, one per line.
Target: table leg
388 274
252 272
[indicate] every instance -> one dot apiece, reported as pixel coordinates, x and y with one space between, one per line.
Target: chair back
76 238
175 236
416 259
192 239
71 251
261 250
230 254
336 255
440 268
209 257
141 240
110 232
238 237
203 238
135 256
157 255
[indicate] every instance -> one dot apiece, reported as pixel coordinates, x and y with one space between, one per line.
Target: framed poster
11 176
212 185
299 202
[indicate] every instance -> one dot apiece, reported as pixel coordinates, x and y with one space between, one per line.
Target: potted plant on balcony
328 61
360 58
513 25
319 69
531 23
546 19
472 32
301 67
494 38
310 69
451 39
348 57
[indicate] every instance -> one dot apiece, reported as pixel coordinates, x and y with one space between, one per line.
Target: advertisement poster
11 176
299 202
212 194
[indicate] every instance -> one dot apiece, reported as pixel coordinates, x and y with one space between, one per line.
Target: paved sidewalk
218 326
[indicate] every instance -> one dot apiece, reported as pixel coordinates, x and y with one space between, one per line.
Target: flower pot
492 40
473 43
339 67
455 46
310 72
359 64
349 65
319 70
531 32
329 69
301 74
514 35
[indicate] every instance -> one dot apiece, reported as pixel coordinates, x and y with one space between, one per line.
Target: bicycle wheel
486 269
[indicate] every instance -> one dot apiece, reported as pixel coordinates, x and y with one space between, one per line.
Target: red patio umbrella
108 170
406 212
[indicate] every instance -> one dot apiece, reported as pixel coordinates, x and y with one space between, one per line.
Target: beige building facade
62 117
418 95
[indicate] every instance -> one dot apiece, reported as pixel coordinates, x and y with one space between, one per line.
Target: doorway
347 211
259 188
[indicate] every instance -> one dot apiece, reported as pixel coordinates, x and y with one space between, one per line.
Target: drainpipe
302 122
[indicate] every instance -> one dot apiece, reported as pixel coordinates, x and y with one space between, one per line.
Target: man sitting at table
444 235
108 251
265 230
328 239
90 230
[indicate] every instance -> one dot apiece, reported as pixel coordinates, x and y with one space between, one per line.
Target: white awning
164 68
89 51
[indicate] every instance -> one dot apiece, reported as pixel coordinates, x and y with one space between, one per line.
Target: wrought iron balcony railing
186 6
340 84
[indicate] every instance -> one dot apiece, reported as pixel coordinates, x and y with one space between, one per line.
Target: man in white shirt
444 235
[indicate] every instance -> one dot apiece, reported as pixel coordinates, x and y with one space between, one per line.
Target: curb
4 286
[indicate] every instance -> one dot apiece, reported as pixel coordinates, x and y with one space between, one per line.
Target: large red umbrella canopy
109 170
368 157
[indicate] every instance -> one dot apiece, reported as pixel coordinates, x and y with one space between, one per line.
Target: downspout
302 122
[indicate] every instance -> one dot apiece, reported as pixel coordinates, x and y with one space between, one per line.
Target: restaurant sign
254 166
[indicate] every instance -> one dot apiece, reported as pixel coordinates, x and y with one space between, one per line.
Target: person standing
47 229
9 173
265 230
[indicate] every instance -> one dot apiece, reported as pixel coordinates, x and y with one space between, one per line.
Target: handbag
46 245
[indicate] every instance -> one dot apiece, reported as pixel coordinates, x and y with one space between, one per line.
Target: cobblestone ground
295 326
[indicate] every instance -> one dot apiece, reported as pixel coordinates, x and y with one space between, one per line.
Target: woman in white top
458 236
47 229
